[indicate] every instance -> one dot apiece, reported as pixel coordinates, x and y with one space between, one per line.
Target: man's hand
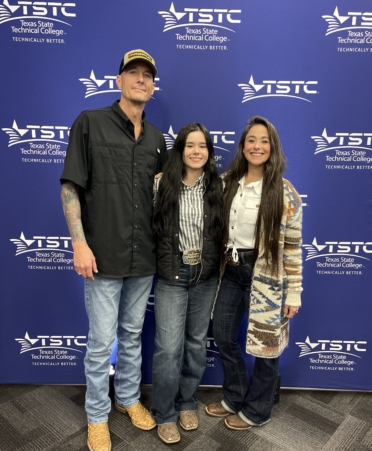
84 260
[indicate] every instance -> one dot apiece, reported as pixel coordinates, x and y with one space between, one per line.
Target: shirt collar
199 181
123 116
257 186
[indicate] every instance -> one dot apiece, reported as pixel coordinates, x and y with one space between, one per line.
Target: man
112 158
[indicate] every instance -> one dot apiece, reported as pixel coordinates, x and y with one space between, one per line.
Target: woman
188 221
262 275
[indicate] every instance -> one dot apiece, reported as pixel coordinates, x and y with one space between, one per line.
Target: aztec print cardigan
268 328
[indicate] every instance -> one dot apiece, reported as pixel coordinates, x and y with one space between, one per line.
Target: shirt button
176 277
241 195
258 206
135 164
134 247
136 227
232 227
135 185
234 211
136 206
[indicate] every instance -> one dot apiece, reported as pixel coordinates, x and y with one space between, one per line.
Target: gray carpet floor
46 418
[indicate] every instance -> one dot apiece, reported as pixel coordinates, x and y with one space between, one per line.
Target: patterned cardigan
268 328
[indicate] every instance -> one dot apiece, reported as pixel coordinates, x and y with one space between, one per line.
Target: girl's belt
245 257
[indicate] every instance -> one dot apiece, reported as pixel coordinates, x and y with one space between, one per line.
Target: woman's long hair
169 188
271 207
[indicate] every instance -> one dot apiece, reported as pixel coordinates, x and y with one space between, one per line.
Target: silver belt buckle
191 257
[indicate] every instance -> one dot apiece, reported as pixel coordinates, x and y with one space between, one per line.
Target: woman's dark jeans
254 398
182 314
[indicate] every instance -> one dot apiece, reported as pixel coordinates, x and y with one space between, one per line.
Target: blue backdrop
306 66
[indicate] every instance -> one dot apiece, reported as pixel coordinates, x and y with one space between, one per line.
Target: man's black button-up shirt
115 173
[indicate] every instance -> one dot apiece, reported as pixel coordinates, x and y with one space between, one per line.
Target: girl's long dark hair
169 188
270 212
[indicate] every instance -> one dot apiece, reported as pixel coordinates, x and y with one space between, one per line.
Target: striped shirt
191 215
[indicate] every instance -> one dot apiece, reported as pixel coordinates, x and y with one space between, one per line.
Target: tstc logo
338 248
353 21
212 353
334 346
103 85
281 88
150 303
206 17
36 10
40 243
304 200
42 342
32 133
211 345
351 146
218 137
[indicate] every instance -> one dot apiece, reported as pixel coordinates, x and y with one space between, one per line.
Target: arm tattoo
72 211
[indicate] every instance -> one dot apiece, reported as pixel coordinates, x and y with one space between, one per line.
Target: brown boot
216 409
188 420
236 423
168 433
98 437
139 415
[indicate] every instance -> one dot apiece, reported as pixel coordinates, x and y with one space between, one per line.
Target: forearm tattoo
72 211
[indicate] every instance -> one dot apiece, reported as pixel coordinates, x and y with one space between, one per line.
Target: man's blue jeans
254 399
114 306
182 314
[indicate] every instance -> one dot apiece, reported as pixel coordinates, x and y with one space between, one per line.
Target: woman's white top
243 216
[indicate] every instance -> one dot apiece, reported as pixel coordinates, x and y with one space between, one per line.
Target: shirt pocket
147 162
151 163
109 163
250 212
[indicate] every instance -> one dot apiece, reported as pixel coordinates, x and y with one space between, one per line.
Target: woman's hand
290 311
